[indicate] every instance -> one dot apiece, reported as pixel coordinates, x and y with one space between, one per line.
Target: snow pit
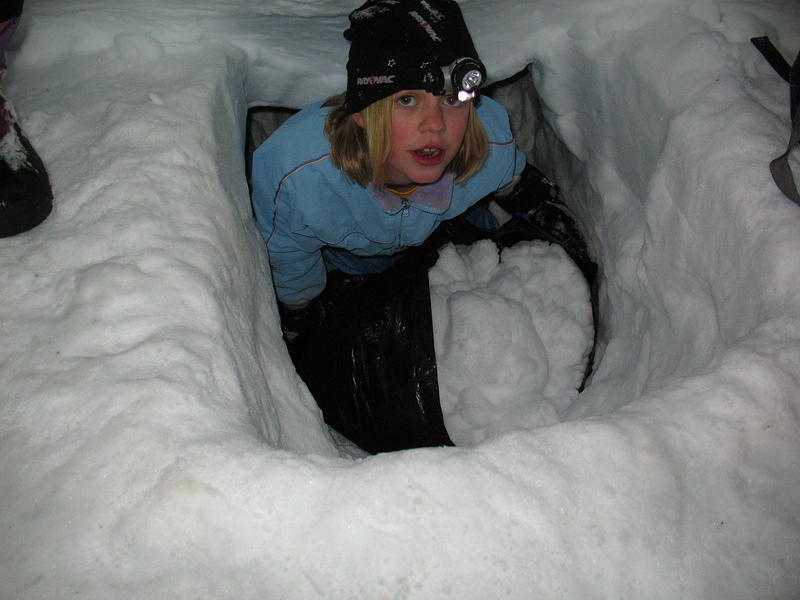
156 443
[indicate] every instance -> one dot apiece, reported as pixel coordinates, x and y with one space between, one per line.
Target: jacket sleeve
504 162
511 161
295 256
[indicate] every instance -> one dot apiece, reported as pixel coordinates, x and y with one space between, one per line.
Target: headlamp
460 78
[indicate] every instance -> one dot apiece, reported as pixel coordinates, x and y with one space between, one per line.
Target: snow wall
156 443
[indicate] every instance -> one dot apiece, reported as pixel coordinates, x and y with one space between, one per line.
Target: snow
155 441
512 332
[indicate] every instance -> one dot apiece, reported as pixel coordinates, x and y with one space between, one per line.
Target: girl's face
427 132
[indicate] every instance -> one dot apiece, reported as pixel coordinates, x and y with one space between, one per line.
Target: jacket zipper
403 216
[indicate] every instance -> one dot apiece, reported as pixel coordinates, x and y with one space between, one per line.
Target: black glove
531 190
300 318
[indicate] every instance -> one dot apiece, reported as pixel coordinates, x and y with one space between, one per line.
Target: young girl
349 183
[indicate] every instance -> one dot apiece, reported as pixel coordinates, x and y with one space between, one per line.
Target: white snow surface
155 441
512 334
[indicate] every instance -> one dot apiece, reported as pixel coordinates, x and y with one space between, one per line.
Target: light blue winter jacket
311 215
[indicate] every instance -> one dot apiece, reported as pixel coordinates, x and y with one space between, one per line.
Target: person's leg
8 24
25 194
10 11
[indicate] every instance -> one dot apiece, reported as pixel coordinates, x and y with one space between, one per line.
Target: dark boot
25 194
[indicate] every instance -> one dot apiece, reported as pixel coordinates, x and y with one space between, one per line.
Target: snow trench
156 441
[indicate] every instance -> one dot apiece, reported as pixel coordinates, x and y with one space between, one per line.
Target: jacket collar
432 197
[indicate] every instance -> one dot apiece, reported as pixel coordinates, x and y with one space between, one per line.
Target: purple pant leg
7 29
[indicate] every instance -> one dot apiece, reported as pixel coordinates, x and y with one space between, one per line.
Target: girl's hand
297 319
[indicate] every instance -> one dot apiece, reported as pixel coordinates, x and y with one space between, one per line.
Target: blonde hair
361 152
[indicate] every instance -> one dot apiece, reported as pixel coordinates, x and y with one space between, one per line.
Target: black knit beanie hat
408 45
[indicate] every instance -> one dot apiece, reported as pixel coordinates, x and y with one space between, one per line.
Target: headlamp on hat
460 78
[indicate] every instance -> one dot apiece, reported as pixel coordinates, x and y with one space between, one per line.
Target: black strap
774 58
779 167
